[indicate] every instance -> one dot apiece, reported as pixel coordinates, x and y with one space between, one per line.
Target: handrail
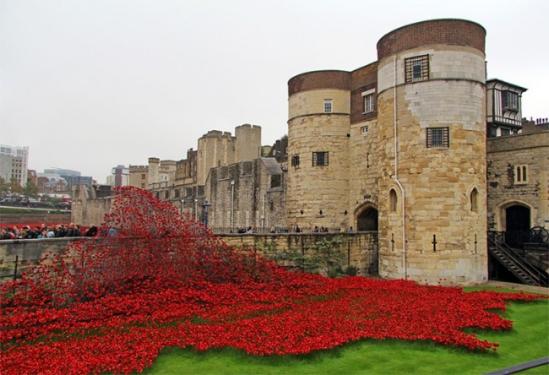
521 367
523 264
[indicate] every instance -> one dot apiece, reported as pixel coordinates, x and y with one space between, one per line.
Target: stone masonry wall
354 249
318 195
437 181
504 153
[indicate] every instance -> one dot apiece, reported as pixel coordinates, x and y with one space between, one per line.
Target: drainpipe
395 174
232 206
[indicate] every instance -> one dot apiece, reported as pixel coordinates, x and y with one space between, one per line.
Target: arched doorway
517 224
366 220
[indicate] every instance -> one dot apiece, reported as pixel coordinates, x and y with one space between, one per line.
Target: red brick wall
445 31
322 79
362 79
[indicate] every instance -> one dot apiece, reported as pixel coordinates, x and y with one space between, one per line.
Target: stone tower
154 171
318 149
248 142
215 148
432 128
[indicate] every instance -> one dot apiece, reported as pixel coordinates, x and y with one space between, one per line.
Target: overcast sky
91 84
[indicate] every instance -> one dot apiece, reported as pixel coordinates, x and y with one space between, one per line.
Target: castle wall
364 149
138 176
242 195
436 182
504 153
354 249
215 148
248 142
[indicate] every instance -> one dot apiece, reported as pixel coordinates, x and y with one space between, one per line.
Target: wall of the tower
248 142
364 148
318 185
153 171
215 149
431 121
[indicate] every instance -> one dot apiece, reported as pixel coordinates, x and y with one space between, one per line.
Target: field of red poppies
113 305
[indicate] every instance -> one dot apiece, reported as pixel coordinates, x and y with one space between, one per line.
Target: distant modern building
120 176
13 163
72 177
62 172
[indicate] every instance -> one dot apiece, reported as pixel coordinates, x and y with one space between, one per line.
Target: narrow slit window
474 200
392 200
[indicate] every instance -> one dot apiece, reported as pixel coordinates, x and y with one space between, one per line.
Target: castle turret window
369 101
328 104
320 158
417 68
437 137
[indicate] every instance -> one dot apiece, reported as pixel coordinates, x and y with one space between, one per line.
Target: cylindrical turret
432 124
318 155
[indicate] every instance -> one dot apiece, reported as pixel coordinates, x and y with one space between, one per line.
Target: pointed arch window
474 200
393 200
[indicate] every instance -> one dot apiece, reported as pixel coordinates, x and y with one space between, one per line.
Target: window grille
320 158
438 137
417 68
328 105
364 130
295 161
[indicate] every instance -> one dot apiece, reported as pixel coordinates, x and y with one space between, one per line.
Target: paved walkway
518 287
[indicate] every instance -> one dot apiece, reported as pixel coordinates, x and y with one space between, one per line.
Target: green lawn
528 340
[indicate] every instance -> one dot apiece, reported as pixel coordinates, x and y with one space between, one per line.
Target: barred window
320 158
328 105
364 130
438 137
416 68
295 161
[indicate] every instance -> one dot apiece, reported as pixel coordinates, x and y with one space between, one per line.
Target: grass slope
528 340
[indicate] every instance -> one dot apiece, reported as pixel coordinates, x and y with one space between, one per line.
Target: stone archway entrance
366 219
517 224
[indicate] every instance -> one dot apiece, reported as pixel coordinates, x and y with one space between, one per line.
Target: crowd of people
14 232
